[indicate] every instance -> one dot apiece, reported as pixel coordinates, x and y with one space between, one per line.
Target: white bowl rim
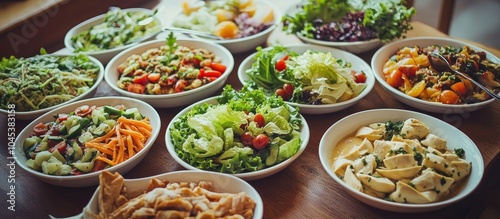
277 20
148 145
417 100
370 82
413 207
72 32
99 78
149 44
246 175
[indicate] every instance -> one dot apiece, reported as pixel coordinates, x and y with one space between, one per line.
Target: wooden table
304 189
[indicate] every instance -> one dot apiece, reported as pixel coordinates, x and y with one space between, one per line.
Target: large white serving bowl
105 55
384 53
456 139
222 183
259 174
249 43
30 115
353 47
89 179
358 64
112 76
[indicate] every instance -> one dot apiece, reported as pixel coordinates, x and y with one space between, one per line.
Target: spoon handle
439 56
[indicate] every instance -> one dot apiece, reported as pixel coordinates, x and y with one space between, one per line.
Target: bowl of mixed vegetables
106 35
70 146
171 72
404 70
242 24
244 133
316 79
350 25
33 86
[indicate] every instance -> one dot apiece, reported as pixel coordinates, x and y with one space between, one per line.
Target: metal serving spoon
440 63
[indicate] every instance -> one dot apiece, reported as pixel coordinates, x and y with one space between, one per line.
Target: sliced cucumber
31 164
102 129
63 170
55 138
50 168
84 166
112 111
88 154
78 151
75 131
30 141
62 129
42 156
84 122
273 155
58 156
85 136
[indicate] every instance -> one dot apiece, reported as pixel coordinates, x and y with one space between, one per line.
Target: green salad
246 131
118 28
43 81
313 77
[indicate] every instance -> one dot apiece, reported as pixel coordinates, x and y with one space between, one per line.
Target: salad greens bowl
323 79
243 133
106 35
65 157
30 87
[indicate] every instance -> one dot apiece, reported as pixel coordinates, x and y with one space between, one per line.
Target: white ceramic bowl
383 54
249 43
358 64
456 139
89 179
111 75
221 182
246 176
353 47
105 55
30 115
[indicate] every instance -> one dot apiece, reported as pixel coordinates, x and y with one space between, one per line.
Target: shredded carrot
122 142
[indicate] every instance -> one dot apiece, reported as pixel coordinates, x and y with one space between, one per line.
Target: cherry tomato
260 120
459 88
359 77
40 129
218 66
136 88
212 73
154 77
280 65
448 97
84 110
288 89
141 79
260 141
395 79
282 93
246 139
61 147
180 85
62 117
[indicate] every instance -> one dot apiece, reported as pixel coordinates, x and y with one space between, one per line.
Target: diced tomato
408 70
98 165
218 66
246 139
359 77
260 141
172 79
280 65
201 74
212 73
141 79
154 77
459 88
136 88
180 85
62 117
40 129
84 110
61 147
259 119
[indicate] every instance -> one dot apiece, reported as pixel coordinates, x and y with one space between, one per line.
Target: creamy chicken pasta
400 161
162 199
